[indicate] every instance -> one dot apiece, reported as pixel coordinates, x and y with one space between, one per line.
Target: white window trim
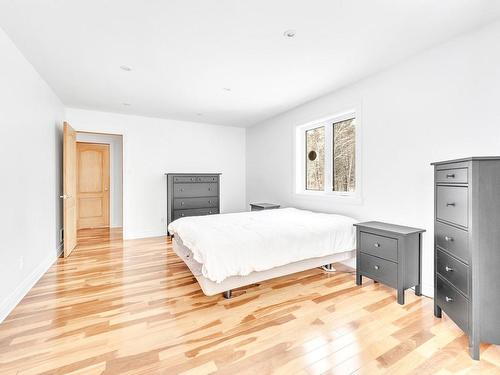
299 183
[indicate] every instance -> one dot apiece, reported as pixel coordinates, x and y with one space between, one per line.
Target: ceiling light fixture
199 114
289 33
126 104
226 88
126 68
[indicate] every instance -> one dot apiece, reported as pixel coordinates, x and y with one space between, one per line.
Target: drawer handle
209 201
448 299
209 212
182 189
182 203
209 189
450 204
376 244
376 267
448 239
182 214
448 269
450 175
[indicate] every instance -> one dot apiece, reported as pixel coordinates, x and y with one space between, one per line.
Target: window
326 157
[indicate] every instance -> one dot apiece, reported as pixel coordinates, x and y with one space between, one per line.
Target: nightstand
263 206
390 254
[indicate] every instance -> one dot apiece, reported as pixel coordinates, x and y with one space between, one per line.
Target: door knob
65 196
376 244
448 269
376 267
448 299
448 239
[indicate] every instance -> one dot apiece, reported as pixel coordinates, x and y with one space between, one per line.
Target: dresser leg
401 296
359 279
474 349
438 313
418 290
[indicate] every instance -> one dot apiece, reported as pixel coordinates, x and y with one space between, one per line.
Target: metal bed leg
227 294
328 268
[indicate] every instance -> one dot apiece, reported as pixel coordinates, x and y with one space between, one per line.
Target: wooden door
69 189
93 185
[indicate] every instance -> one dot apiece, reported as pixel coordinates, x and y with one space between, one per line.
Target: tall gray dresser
192 194
467 246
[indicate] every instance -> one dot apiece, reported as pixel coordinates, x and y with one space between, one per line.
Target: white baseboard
9 303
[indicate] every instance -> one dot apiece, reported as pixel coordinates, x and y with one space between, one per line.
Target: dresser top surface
265 205
387 227
466 159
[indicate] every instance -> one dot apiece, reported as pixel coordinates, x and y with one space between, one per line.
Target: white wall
153 147
115 172
440 105
30 164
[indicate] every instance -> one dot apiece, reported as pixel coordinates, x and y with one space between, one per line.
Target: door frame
123 137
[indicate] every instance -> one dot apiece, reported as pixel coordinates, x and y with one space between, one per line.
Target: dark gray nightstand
263 206
390 254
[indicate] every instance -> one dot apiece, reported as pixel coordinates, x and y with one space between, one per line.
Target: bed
229 251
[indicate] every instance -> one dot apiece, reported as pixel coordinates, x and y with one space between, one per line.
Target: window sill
321 195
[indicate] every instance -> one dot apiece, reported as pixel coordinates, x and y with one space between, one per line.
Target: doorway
92 186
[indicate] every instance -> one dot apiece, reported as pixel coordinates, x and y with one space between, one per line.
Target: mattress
239 244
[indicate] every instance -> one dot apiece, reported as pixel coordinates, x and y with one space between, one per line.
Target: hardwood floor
132 307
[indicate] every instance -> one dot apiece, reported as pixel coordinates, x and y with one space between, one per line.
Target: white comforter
240 243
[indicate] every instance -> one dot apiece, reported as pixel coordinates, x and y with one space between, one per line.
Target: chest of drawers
192 194
390 254
467 246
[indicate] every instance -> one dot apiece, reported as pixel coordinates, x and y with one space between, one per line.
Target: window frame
300 182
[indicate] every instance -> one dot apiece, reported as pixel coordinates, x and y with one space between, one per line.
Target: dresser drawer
453 240
178 179
453 270
195 190
186 203
454 176
380 246
453 303
195 212
379 269
452 204
207 179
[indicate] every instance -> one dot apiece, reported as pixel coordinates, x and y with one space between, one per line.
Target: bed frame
211 288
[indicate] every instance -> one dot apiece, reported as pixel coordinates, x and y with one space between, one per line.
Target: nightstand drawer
379 269
453 270
454 176
452 204
453 240
453 303
380 246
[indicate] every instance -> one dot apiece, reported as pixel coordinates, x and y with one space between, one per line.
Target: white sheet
238 244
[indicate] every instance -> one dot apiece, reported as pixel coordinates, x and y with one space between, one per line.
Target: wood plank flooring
132 307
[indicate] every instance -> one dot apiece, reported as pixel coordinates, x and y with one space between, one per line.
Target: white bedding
240 243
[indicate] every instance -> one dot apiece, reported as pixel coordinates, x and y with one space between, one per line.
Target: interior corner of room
190 121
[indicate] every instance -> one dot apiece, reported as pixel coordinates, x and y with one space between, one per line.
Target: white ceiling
184 52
